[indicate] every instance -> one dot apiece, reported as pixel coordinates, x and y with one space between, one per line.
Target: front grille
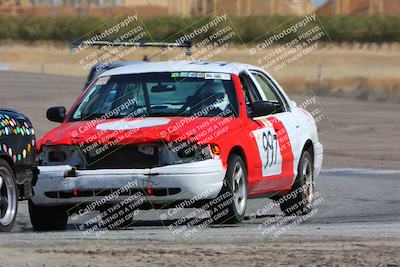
158 192
122 157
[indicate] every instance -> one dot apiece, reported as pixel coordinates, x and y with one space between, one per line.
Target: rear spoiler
186 45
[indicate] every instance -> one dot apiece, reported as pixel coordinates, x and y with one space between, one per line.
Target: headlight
57 156
184 152
60 155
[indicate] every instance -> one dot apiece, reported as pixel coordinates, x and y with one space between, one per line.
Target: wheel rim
8 197
239 189
309 181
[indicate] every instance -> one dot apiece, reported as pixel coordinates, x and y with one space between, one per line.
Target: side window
270 91
249 90
266 87
95 101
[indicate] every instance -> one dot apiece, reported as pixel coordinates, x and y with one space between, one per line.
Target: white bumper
198 180
318 158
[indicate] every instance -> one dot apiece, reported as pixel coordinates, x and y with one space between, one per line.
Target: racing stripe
285 147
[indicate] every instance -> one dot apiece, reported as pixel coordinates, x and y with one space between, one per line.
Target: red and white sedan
183 133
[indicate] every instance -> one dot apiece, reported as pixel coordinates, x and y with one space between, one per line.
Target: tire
45 218
299 200
230 205
8 197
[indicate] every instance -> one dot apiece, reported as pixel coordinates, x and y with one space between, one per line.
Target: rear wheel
299 200
45 218
230 206
8 197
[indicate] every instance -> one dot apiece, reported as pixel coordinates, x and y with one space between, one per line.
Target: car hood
143 130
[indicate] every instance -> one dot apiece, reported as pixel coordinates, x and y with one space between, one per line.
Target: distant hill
149 8
360 7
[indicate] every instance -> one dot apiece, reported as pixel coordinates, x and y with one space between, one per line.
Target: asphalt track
351 204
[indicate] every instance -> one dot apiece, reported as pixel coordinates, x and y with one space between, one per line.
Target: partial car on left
17 164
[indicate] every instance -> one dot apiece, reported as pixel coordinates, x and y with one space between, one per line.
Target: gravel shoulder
370 252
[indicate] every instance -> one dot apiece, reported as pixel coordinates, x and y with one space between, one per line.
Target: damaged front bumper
62 185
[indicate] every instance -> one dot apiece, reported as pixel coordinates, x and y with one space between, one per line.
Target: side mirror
262 108
56 114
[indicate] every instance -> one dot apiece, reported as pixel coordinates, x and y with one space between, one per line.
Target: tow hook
71 173
149 191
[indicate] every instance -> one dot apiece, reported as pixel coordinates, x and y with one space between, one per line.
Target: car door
275 138
263 153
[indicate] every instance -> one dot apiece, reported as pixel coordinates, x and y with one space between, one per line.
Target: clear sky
319 2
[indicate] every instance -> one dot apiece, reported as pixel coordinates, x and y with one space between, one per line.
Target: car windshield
157 95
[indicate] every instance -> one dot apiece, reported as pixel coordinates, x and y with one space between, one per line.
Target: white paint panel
122 125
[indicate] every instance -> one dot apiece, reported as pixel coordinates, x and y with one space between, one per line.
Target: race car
187 134
17 164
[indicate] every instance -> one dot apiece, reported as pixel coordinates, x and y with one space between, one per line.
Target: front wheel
230 205
45 218
8 197
299 200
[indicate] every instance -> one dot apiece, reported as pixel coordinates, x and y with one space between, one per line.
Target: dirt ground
363 134
338 64
284 253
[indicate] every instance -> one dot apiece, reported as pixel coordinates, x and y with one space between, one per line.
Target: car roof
115 64
176 66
